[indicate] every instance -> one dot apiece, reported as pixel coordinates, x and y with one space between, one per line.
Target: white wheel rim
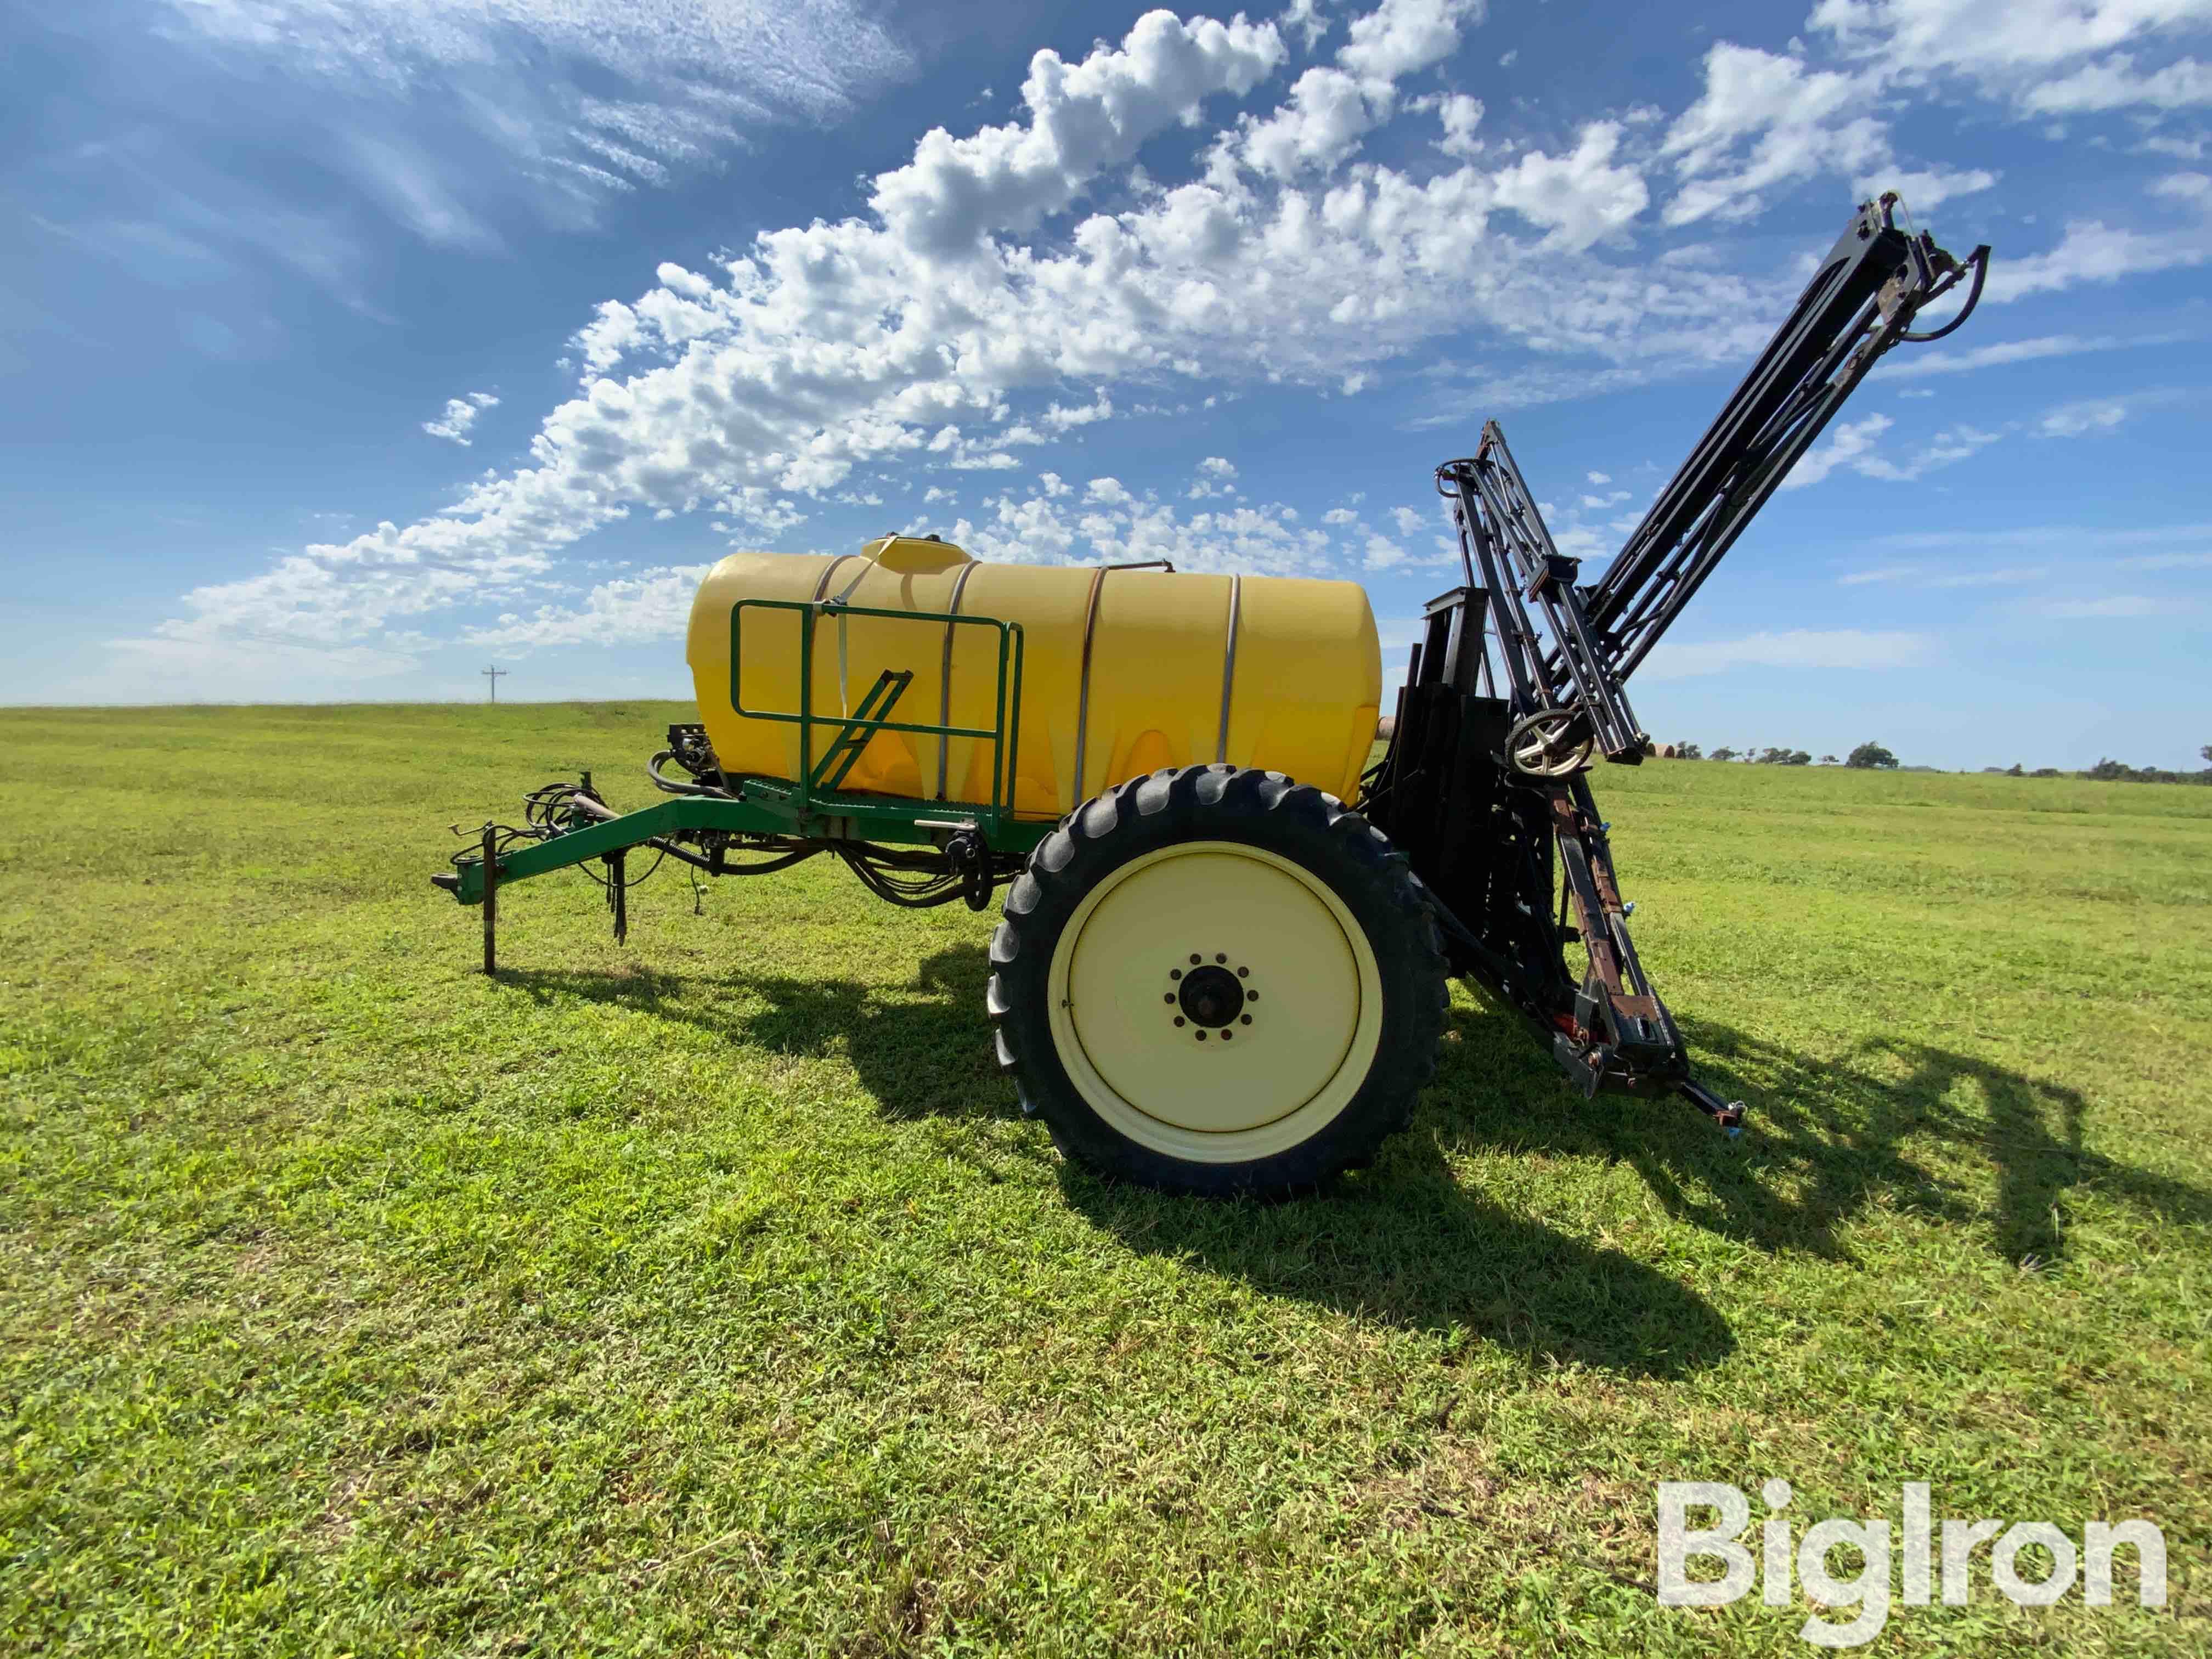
1312 996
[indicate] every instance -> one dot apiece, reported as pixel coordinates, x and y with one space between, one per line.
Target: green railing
1004 735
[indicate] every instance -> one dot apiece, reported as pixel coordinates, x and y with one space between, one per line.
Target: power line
492 674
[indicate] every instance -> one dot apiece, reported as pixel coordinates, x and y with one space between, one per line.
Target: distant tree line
1866 755
1873 757
2112 771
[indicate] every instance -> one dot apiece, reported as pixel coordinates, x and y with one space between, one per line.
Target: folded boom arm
1483 785
1860 302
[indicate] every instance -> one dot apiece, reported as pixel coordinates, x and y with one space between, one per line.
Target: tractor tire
1216 981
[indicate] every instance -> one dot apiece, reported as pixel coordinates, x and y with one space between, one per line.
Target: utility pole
492 674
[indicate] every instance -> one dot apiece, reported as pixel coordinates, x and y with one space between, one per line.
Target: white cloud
653 604
1401 37
1331 109
1830 648
1768 119
580 98
1117 527
2088 415
1765 120
1081 119
1578 196
1926 575
1926 187
1852 446
460 414
2112 83
1899 366
1846 445
1060 418
2092 251
943 327
1215 477
2110 605
1460 115
1306 19
1599 478
2008 47
1410 523
2069 537
1380 553
1327 116
216 671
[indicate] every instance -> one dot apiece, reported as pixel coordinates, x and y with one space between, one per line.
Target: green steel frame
811 806
1003 734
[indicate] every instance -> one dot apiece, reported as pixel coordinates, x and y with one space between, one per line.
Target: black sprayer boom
1484 783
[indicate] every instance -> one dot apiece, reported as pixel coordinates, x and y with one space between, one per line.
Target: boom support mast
1859 303
1486 793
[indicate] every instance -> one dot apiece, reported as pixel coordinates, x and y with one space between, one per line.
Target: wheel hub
1249 1017
1211 997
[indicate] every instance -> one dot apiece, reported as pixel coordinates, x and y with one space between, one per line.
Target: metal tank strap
1089 623
1082 685
844 677
1228 665
828 571
945 682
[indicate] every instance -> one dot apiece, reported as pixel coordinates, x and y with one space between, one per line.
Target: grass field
711 1295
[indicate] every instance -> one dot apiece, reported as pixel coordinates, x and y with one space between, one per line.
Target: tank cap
914 555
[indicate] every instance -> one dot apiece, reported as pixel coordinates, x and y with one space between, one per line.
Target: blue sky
355 345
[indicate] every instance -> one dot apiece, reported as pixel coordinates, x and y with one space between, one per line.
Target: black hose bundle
920 881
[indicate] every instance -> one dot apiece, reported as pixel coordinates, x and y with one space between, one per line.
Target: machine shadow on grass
1403 1243
924 1051
1824 1137
1407 1243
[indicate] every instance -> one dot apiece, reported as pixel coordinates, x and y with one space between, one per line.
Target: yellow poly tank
1124 670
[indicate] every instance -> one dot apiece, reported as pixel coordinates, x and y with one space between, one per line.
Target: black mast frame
1485 782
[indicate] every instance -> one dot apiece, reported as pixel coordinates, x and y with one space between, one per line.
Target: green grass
710 1295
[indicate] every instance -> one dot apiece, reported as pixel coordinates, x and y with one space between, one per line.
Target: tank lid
914 555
